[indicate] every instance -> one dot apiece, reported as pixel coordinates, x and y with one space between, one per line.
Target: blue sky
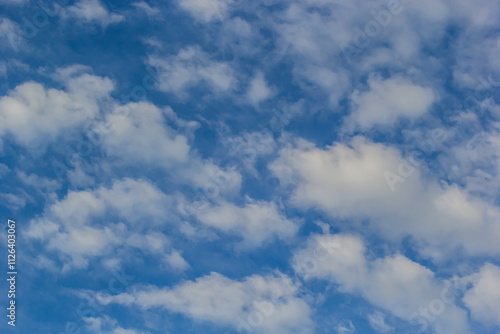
229 166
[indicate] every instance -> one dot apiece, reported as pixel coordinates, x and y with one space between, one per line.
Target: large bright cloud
366 180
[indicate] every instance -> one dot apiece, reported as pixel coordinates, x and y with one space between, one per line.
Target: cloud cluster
162 186
94 224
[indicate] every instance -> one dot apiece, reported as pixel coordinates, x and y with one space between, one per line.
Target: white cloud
74 228
256 222
346 327
377 322
176 261
213 181
192 67
394 283
388 100
475 49
107 325
130 134
40 183
478 70
266 304
92 11
483 299
32 115
12 201
150 11
258 90
364 180
205 10
348 264
474 160
334 83
238 38
140 133
328 43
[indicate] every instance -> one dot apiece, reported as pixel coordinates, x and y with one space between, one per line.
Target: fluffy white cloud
32 115
388 100
192 67
74 228
140 133
92 11
256 222
132 134
258 90
483 299
258 304
176 261
364 180
395 283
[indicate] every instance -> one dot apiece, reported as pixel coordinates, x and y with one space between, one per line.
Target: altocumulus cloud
262 166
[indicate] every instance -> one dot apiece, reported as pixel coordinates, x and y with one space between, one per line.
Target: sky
267 166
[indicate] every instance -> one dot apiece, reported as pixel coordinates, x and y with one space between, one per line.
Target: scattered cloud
394 283
190 68
92 11
388 100
205 10
263 304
